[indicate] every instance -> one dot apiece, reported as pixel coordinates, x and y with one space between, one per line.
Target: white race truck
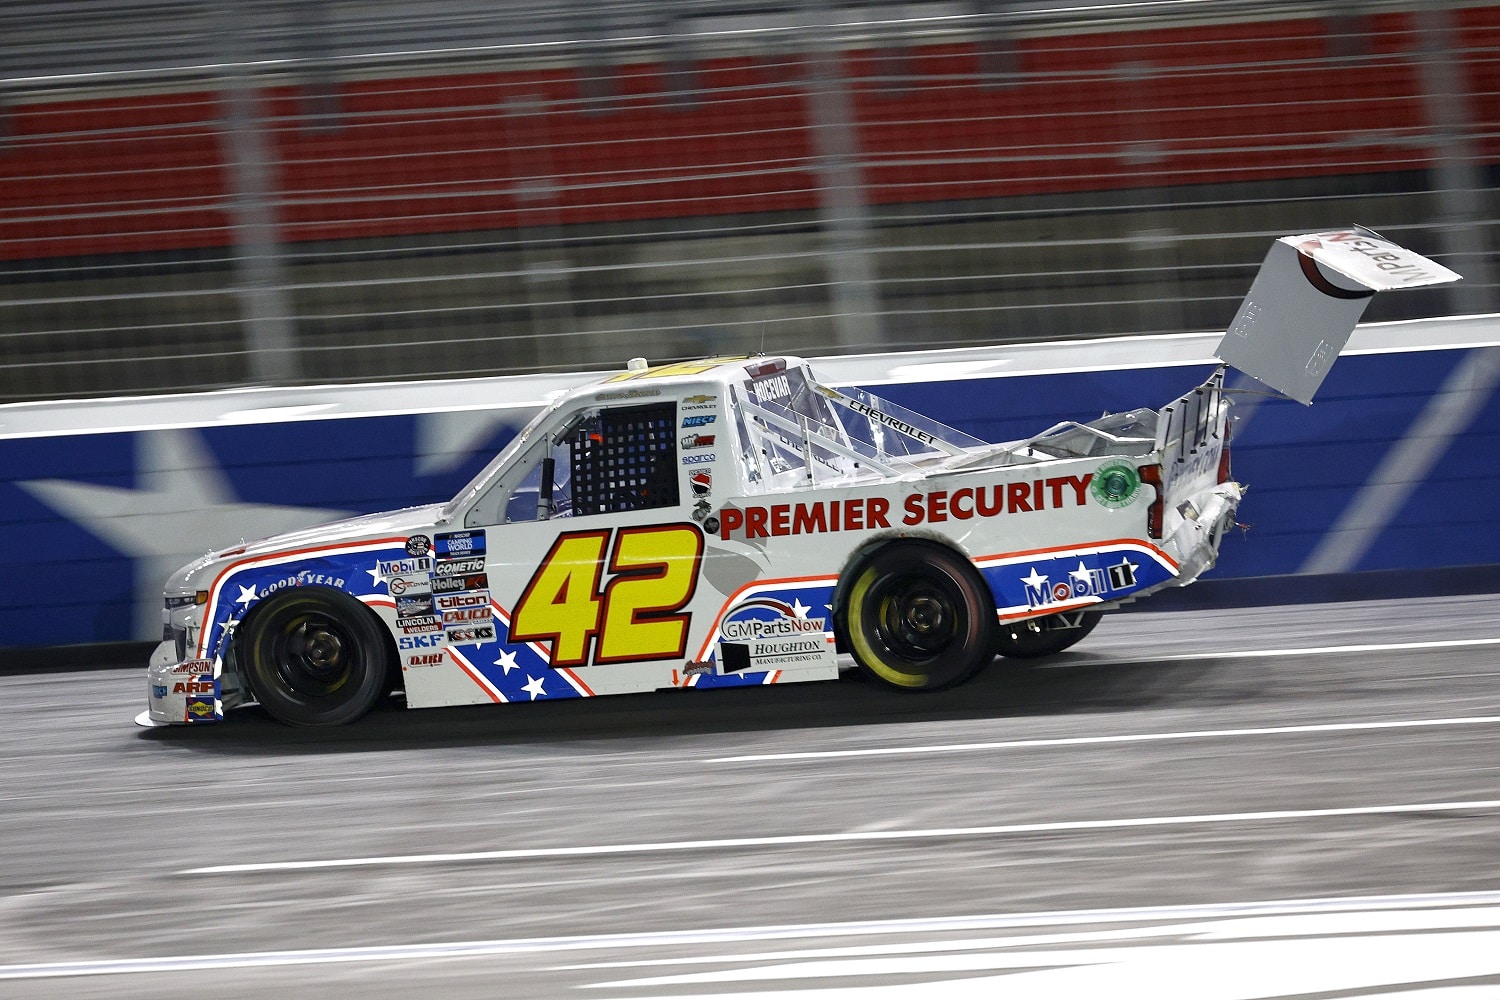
734 521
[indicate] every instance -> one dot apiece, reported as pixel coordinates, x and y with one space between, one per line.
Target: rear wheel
1036 637
316 658
919 617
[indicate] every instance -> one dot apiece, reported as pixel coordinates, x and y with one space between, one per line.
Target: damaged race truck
732 522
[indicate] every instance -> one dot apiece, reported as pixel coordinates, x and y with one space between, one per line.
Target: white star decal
1035 579
1125 561
184 507
533 686
247 594
507 662
799 609
374 572
1080 574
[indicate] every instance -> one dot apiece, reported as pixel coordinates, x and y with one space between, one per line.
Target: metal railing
327 192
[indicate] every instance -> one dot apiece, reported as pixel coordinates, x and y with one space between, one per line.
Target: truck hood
407 521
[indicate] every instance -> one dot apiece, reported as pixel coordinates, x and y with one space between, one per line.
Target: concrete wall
1393 468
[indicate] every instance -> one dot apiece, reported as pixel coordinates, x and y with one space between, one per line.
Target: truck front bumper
180 692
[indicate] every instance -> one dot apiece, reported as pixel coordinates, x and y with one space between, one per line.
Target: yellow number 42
636 615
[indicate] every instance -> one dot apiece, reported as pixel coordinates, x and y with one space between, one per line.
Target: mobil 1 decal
612 595
1061 581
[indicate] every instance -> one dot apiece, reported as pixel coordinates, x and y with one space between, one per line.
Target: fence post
260 275
843 213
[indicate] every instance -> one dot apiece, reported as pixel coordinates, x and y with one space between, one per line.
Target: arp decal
636 615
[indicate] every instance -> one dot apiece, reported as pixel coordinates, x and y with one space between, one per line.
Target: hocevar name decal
867 513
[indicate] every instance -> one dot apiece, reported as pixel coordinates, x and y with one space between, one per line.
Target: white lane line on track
772 932
949 833
1083 741
1374 647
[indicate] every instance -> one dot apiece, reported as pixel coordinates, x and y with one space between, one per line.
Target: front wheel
919 617
316 658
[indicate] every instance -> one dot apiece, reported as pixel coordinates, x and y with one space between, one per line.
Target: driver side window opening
603 461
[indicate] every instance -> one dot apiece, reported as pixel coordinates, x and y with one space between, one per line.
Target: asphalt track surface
1294 801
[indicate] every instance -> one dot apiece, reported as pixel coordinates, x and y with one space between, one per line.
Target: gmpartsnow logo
767 618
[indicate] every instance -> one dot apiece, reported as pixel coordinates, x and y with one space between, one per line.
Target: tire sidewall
972 645
369 665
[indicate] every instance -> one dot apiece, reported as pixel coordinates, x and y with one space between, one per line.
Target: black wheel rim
314 654
918 618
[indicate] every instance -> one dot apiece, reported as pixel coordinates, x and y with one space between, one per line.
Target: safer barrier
1392 469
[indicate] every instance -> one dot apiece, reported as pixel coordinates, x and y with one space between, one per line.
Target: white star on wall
184 507
533 685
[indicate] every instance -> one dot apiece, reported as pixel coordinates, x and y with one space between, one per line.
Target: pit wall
1393 468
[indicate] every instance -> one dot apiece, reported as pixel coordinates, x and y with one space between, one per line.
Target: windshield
477 484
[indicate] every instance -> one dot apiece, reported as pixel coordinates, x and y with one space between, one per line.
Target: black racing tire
316 657
1038 637
919 617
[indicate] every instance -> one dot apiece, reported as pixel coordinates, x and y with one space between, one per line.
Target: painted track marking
1082 741
789 840
773 932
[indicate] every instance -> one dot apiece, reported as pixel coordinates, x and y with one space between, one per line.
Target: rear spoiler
1307 297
